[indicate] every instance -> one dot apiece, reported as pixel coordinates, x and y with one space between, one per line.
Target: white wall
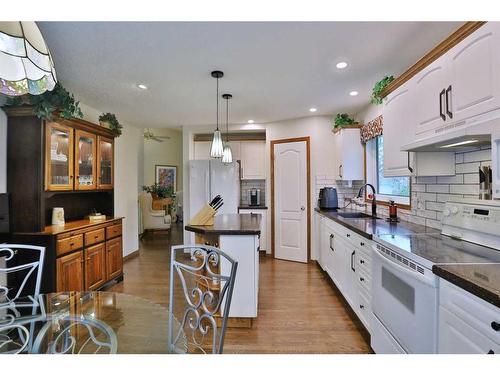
128 151
318 128
168 152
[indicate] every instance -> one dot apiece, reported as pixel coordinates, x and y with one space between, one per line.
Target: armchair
152 219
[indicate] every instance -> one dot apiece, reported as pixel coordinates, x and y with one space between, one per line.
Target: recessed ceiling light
341 65
142 86
313 109
353 93
250 121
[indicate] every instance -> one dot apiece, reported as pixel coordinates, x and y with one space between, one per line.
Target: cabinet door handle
362 243
361 306
362 279
448 112
362 261
348 235
408 162
352 261
495 326
331 238
341 168
441 114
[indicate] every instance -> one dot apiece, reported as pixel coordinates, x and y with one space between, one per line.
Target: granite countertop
230 224
482 280
248 207
369 228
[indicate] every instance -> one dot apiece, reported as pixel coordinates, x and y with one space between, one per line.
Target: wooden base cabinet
69 269
95 266
114 258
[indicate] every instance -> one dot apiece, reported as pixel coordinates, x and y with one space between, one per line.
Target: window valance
372 129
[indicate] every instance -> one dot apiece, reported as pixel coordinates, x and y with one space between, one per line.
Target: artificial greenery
343 120
379 87
44 105
160 191
114 125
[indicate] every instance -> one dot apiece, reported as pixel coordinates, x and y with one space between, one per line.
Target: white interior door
290 199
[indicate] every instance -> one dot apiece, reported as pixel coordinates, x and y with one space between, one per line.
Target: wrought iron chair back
206 276
7 253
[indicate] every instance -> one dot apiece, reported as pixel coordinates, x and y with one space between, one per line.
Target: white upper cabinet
428 107
349 155
253 165
463 83
474 82
398 130
202 150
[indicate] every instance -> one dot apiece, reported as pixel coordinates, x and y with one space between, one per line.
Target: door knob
302 208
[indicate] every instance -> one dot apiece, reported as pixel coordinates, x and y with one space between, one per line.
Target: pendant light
26 66
227 154
217 146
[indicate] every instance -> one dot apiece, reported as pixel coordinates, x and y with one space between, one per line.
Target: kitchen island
237 235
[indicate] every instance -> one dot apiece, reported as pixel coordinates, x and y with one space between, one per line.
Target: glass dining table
86 323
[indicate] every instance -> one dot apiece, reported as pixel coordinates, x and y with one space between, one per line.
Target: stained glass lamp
26 66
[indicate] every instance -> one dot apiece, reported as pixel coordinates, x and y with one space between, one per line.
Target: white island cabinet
237 235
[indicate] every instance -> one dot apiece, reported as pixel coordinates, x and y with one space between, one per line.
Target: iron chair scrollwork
204 278
23 272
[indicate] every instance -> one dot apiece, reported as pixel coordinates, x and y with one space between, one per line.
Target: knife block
204 217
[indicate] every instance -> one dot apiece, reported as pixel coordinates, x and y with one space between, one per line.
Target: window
388 188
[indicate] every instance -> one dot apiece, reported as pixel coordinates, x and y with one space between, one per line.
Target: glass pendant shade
217 148
227 154
26 66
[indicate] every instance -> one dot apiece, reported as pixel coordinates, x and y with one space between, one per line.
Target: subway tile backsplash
247 185
428 194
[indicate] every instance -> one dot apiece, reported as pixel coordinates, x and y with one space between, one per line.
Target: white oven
404 304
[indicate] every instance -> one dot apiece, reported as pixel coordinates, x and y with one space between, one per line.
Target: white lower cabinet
346 258
264 243
467 324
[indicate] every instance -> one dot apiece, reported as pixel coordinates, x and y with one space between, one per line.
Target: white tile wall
246 185
428 194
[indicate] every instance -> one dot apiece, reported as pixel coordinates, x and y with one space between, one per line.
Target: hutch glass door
58 157
85 162
105 163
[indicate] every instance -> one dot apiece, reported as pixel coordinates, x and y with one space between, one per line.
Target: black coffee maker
328 199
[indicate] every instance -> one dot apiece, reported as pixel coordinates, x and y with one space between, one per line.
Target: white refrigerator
209 178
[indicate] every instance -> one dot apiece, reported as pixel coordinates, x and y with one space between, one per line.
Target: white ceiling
274 70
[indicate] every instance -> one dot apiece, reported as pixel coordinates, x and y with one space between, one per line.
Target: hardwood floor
300 311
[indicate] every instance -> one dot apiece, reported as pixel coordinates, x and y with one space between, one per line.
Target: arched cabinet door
474 68
58 157
85 160
105 163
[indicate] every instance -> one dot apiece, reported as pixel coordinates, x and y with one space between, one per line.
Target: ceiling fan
150 136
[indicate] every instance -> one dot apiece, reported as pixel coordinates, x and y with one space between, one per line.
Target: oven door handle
412 274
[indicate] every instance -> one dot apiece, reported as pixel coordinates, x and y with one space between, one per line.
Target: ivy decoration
376 97
343 119
114 125
44 105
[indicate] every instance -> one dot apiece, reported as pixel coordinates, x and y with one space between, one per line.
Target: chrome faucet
374 200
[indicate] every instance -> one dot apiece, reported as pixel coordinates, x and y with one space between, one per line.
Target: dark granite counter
230 224
248 207
482 280
374 227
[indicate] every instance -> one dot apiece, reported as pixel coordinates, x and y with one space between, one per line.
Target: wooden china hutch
68 164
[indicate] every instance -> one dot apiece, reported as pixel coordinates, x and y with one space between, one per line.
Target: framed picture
166 175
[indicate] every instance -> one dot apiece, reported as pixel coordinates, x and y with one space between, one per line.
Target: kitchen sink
356 215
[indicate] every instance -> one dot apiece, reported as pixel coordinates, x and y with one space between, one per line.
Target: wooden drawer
67 245
113 231
95 236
